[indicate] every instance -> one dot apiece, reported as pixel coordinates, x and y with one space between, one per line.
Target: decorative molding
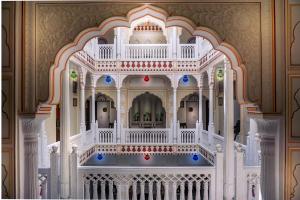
49 19
4 186
292 195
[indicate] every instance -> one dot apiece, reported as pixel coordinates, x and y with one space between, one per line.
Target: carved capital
200 81
94 79
31 127
267 128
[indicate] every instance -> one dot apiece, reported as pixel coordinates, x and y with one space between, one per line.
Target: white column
115 47
73 173
82 111
174 115
44 159
253 147
117 32
65 136
228 131
241 186
197 50
219 159
31 127
93 110
211 125
118 115
174 42
54 172
268 171
200 127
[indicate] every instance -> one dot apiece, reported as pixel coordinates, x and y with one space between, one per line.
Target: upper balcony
146 45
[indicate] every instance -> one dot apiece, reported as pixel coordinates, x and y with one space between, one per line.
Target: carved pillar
118 115
228 131
42 147
31 127
93 106
211 125
174 115
65 136
267 167
200 108
82 107
267 129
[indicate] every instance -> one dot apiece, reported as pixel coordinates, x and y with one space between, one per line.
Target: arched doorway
147 111
105 111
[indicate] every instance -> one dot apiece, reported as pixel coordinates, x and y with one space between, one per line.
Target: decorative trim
66 51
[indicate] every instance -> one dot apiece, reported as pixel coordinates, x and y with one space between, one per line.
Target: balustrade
143 136
106 51
147 183
106 135
187 136
187 51
146 51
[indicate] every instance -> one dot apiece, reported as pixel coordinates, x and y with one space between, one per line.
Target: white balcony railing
106 135
187 51
147 136
146 182
187 136
106 51
146 51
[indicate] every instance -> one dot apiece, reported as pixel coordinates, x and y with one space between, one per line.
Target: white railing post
197 49
54 169
150 190
73 172
80 185
241 186
158 189
115 132
196 139
200 132
178 133
167 195
134 191
122 135
219 160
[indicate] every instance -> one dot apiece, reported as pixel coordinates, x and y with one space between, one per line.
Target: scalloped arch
84 36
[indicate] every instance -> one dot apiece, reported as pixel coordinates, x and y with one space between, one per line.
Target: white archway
83 37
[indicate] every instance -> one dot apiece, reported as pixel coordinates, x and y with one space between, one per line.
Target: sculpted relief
295 107
57 24
295 32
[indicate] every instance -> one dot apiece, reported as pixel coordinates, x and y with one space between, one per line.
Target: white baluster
257 190
249 190
166 191
205 196
119 194
95 189
174 192
190 192
182 197
87 189
150 190
103 190
134 191
111 190
158 189
44 189
197 190
142 191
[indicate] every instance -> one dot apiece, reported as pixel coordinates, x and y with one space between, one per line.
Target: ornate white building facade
149 106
